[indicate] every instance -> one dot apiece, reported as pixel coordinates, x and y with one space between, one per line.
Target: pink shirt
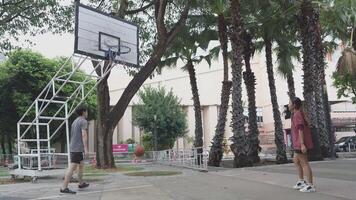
299 123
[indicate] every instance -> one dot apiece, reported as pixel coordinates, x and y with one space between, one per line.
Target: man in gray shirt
78 147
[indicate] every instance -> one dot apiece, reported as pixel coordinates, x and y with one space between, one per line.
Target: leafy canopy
22 77
33 17
160 111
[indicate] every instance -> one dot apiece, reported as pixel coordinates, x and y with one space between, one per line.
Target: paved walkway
334 180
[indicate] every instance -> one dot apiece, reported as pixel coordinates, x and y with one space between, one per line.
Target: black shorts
299 151
76 157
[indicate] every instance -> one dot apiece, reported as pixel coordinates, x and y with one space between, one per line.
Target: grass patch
5 181
92 171
4 172
154 173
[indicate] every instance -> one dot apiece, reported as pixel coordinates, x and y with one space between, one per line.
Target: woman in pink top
302 142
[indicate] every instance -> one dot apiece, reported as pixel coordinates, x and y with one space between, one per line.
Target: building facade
209 80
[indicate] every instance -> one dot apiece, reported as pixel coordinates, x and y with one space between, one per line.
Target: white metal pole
49 148
38 139
67 133
18 145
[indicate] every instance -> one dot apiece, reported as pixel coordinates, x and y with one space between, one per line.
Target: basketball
139 151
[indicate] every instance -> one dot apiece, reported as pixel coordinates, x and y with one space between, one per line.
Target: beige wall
209 84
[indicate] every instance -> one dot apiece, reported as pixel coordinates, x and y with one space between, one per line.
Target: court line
93 192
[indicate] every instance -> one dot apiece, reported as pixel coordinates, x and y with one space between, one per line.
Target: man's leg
298 166
68 176
80 172
306 168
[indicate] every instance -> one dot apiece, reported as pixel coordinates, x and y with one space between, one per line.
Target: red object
120 148
139 151
93 162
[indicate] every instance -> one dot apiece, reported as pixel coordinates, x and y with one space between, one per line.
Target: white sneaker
300 185
308 188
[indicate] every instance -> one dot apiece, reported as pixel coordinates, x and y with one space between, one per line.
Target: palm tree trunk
291 88
278 127
322 106
239 144
250 82
354 39
329 123
3 144
197 108
216 150
307 23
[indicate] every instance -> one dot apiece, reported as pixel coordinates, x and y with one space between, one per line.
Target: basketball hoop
102 36
111 55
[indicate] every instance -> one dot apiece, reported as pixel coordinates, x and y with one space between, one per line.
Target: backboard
97 32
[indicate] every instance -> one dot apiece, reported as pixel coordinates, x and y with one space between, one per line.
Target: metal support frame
188 158
67 105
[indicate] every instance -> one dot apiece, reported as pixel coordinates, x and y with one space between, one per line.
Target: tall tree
216 150
269 30
159 113
250 83
239 145
338 20
310 34
33 18
192 38
164 35
278 126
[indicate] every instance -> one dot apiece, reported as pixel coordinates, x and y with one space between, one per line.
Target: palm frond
347 62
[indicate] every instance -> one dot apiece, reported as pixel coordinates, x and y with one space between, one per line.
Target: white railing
195 158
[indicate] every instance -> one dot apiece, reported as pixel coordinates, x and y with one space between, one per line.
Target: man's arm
85 141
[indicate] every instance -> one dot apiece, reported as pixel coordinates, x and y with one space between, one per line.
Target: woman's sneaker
83 185
308 188
300 185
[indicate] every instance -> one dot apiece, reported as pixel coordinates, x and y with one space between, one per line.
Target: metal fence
195 158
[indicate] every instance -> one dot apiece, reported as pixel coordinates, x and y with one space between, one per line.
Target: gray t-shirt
76 141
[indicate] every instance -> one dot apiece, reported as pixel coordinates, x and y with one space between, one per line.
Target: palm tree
269 30
250 82
240 145
286 51
338 20
310 34
216 150
185 48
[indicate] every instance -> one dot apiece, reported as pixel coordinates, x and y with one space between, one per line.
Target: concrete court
334 180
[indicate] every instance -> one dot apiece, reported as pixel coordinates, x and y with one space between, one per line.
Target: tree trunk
329 123
104 156
354 39
291 88
307 23
3 145
250 82
9 144
108 119
216 151
278 127
198 142
322 107
239 144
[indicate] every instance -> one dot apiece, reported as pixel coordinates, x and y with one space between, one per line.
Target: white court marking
93 192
